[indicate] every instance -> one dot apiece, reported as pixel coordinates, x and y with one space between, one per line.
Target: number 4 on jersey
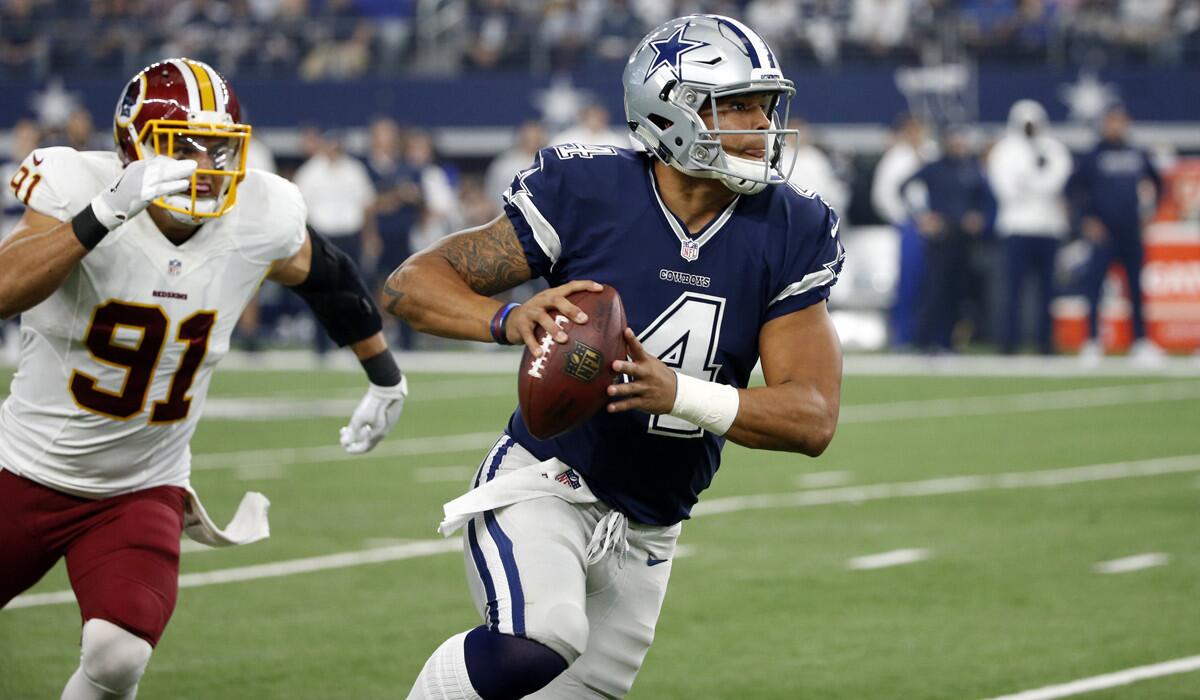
685 338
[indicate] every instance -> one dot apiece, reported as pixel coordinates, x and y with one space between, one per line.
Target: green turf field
764 604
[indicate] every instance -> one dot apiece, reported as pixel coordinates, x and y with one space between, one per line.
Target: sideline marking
1108 680
866 413
1136 562
342 560
857 494
883 560
1182 464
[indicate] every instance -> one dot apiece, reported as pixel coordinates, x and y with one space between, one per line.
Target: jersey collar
688 241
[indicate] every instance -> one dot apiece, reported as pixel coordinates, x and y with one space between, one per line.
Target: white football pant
527 568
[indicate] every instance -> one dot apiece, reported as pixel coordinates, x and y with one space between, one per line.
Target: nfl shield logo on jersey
690 250
568 478
174 267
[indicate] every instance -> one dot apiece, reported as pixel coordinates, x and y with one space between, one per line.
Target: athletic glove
140 183
375 417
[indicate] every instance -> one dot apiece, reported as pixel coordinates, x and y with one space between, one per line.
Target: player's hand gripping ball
568 383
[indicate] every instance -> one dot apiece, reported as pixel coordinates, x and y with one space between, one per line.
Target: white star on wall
54 105
1087 97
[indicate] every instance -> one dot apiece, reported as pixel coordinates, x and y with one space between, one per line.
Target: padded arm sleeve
337 295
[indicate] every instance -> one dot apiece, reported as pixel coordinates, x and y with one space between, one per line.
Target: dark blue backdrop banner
847 95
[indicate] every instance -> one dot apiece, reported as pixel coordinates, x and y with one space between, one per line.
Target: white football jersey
116 363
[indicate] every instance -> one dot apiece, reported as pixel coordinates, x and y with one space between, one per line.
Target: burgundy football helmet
184 109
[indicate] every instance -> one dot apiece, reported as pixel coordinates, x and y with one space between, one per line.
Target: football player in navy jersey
720 263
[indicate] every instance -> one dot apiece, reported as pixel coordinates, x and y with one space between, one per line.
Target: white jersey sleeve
59 182
273 224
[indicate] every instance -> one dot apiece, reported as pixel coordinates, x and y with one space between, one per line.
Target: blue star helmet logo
669 51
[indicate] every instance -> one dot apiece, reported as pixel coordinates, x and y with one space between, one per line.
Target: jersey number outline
685 338
567 151
140 361
19 178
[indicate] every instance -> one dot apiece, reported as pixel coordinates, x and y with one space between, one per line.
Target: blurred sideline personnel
909 151
569 541
1107 185
956 197
130 270
1028 171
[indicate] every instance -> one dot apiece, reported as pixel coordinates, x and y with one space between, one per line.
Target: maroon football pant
122 552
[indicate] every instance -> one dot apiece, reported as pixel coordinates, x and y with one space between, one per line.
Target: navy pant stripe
489 586
491 453
499 457
510 571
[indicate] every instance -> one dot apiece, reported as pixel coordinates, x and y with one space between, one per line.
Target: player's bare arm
35 260
42 250
446 289
796 411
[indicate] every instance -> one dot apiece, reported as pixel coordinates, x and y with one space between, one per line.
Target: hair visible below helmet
178 106
688 63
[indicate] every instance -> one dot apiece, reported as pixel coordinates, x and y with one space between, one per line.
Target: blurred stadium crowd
320 39
967 273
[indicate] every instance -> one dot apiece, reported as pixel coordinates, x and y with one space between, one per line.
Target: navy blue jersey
696 301
1105 183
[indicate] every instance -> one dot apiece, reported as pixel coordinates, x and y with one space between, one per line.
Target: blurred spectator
593 129
988 26
344 47
777 21
393 25
901 161
477 207
561 35
813 170
393 214
955 199
880 26
338 190
531 138
440 213
494 34
617 31
1028 170
23 139
1108 186
24 45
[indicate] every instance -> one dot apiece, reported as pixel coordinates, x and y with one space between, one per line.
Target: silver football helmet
688 63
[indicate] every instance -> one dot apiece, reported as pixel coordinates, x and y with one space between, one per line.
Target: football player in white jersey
130 270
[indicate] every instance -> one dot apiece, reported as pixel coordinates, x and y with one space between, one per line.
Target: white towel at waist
249 523
549 478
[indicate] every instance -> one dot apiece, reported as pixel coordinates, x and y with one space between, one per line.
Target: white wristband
710 405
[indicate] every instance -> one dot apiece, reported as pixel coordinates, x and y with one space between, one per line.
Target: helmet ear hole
660 121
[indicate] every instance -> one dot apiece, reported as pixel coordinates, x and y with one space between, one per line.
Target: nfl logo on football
174 267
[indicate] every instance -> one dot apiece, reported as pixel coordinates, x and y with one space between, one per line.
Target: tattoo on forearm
394 298
489 260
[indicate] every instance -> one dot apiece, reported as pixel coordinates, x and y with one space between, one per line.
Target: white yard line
953 484
1108 680
865 413
883 560
857 494
1021 403
1136 562
396 447
342 560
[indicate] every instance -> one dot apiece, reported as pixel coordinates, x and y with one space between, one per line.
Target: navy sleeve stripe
810 281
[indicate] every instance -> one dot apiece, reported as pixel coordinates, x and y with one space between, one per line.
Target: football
567 384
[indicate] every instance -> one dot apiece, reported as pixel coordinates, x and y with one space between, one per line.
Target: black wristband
382 369
87 228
